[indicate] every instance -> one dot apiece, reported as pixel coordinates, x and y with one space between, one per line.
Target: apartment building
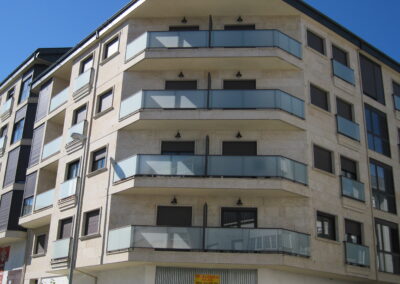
17 113
214 142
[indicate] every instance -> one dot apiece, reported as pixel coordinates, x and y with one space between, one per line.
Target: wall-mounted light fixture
239 19
174 201
238 74
238 135
184 21
239 202
178 135
180 75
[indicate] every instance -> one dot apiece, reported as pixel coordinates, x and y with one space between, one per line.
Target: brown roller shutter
36 148
11 169
44 98
92 222
179 216
65 229
30 185
5 205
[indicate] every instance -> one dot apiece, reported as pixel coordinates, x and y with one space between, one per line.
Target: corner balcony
357 254
3 144
58 100
211 174
343 72
352 188
83 84
212 109
60 254
348 128
6 109
207 50
51 148
199 239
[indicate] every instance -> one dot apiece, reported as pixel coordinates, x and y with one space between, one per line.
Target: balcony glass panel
68 188
120 239
61 248
6 107
136 46
352 188
357 254
78 128
396 102
348 128
343 72
183 99
178 39
58 99
52 147
83 80
44 199
3 142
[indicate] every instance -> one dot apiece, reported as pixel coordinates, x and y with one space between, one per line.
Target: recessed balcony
58 100
51 148
221 107
44 200
83 84
72 144
357 254
343 72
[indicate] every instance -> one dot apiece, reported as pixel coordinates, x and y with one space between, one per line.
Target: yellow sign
207 279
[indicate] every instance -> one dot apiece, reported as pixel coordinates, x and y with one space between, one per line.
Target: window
396 95
3 131
383 197
99 159
79 115
319 97
179 216
184 28
239 84
92 222
10 93
315 42
349 168
181 85
371 76
344 109
377 131
111 47
72 170
105 101
239 217
326 226
388 246
353 232
25 89
65 229
27 206
177 148
86 64
40 244
18 131
239 148
323 159
339 55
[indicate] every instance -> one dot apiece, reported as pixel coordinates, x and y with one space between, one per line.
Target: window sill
89 237
96 172
333 242
105 60
324 172
324 111
321 55
37 255
100 114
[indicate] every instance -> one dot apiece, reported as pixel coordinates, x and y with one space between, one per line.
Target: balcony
343 72
230 240
218 106
6 109
3 144
60 253
352 188
44 200
68 188
58 100
52 148
75 144
357 254
278 49
396 100
348 128
83 84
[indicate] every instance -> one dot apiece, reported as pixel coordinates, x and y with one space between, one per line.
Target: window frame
326 93
83 63
386 193
75 112
342 101
106 55
10 93
356 166
92 161
18 123
109 92
361 240
308 32
238 210
67 169
384 139
35 247
331 156
326 217
59 227
26 78
84 229
346 53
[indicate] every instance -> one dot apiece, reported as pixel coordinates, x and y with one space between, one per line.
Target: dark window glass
27 206
239 27
184 28
10 93
79 115
239 148
349 168
339 55
179 216
92 220
239 84
383 197
326 227
319 97
377 131
396 89
73 170
111 47
99 159
388 246
344 109
40 246
353 232
25 89
18 131
315 42
105 101
86 64
239 217
65 229
181 85
371 76
3 131
323 159
177 148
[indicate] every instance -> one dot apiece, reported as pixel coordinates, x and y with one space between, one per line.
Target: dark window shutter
44 98
319 97
323 159
184 28
181 85
11 169
344 109
21 113
315 42
92 222
22 164
65 228
396 89
353 228
371 75
339 55
29 121
40 244
30 184
5 206
37 141
176 148
239 84
239 27
239 148
179 216
349 168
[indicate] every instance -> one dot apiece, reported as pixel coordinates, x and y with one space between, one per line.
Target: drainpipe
210 27
205 214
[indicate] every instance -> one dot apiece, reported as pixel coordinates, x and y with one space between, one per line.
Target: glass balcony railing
68 188
212 99
352 188
357 254
6 107
227 166
52 147
3 141
79 128
58 100
348 128
343 72
215 239
61 249
44 199
208 39
396 100
83 80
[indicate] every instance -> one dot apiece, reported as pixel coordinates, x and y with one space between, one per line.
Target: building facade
213 142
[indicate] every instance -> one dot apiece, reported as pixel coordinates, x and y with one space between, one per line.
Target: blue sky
27 24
